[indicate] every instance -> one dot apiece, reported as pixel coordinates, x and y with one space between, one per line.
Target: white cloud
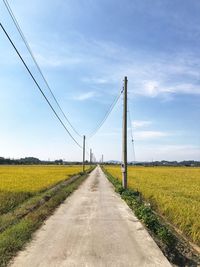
52 60
180 148
146 77
146 135
110 134
139 135
167 152
151 88
140 124
155 88
85 96
95 80
186 88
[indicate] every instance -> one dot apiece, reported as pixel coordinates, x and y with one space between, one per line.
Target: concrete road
93 227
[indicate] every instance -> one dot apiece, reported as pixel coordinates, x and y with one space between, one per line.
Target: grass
46 187
172 192
18 183
175 248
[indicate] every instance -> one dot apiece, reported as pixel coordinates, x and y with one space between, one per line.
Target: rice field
17 183
174 192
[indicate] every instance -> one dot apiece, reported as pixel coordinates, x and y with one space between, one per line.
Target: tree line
33 161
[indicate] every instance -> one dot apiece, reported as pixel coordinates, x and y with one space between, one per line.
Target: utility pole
84 153
124 136
102 158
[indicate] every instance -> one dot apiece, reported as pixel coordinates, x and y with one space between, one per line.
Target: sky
84 49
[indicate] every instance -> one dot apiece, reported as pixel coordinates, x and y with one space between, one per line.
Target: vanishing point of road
93 227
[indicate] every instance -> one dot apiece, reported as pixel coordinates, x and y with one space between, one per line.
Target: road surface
93 227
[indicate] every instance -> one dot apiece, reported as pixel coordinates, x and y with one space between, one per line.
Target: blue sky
85 48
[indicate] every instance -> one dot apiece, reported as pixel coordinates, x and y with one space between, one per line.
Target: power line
87 148
34 59
38 86
131 130
106 115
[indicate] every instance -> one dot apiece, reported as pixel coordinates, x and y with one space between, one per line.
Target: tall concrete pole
124 136
84 153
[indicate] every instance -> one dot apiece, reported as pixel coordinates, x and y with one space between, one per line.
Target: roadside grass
174 248
20 211
9 200
173 192
20 182
17 228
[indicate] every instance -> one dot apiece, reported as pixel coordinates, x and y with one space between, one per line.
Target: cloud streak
149 75
154 89
148 135
168 152
85 96
141 124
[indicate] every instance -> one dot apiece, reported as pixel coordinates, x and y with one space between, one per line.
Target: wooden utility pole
84 153
124 137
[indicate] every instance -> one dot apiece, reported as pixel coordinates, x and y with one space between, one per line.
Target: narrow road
93 227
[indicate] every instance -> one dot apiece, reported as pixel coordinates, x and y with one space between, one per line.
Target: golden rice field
173 191
18 183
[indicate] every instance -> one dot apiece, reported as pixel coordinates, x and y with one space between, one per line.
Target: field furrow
174 192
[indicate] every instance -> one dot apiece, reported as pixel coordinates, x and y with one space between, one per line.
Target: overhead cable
106 115
131 131
38 86
35 61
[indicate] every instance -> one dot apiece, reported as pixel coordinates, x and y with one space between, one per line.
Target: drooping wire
131 131
87 148
106 115
35 61
38 86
